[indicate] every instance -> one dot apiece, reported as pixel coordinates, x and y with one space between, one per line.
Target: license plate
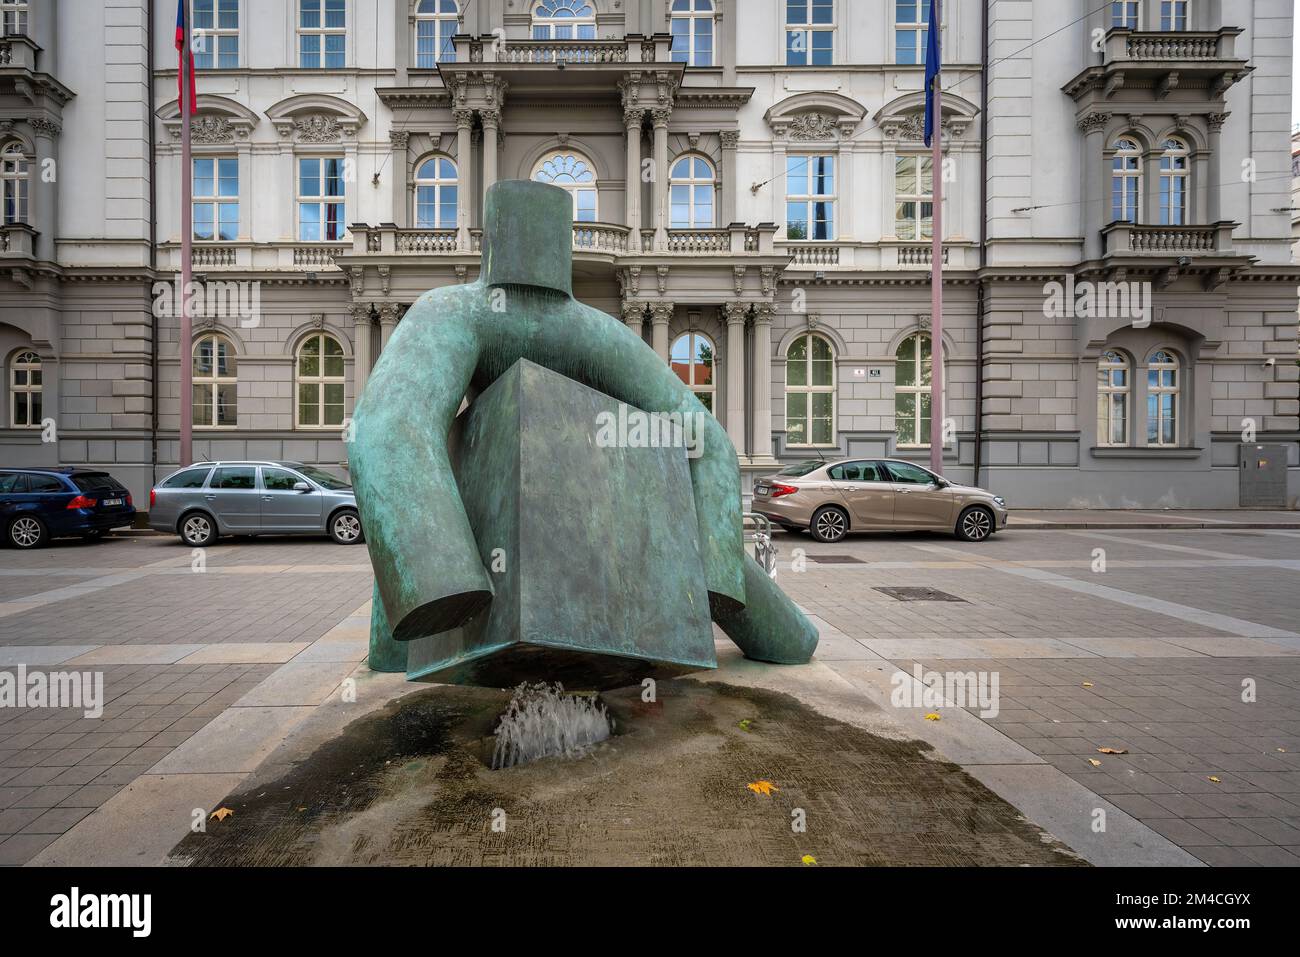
111 501
762 489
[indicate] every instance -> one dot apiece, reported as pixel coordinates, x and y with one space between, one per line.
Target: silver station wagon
208 499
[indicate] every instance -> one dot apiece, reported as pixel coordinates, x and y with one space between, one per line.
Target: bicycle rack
760 536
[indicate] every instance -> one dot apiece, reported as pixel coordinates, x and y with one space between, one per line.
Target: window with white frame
1173 14
321 207
573 173
914 196
913 371
1126 181
320 379
693 29
436 22
1162 399
25 390
1126 14
809 32
13 17
693 361
810 391
217 22
322 34
810 196
1112 398
435 194
13 184
690 192
911 30
216 197
564 20
215 401
1174 179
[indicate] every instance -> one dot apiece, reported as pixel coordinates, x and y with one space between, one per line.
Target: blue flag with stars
932 68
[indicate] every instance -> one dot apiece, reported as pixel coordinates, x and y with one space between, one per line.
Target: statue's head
528 236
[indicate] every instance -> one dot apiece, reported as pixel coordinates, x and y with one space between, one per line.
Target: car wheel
830 524
198 530
345 528
27 531
975 524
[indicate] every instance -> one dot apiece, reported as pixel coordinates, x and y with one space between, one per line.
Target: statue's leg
769 627
386 653
428 572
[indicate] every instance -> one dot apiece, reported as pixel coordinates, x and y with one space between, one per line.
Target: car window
44 483
802 468
324 479
846 472
278 480
906 474
97 482
190 478
234 477
13 482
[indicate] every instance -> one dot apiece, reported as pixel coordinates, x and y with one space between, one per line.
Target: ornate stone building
750 193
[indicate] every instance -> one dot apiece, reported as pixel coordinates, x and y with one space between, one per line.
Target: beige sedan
831 499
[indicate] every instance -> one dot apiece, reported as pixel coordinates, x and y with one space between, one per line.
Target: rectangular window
1173 14
433 41
13 17
217 23
215 197
911 30
810 197
1126 14
321 214
914 197
321 34
809 32
692 39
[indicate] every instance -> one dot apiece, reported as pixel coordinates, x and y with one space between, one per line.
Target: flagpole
186 344
936 270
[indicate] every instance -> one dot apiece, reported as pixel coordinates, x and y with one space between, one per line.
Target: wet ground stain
409 785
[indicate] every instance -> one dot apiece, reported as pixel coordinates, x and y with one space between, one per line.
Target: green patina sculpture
430 575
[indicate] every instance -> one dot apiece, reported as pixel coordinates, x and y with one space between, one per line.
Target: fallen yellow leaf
1215 780
808 859
932 716
1283 750
221 813
763 787
1094 762
1087 684
744 725
1111 751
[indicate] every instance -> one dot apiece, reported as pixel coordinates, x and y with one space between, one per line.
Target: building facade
750 193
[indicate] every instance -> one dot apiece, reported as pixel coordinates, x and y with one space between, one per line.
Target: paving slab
298 683
235 652
237 740
134 655
41 654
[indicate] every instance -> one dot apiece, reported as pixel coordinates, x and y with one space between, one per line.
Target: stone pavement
1153 518
210 673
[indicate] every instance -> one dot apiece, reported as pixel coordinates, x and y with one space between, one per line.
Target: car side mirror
301 487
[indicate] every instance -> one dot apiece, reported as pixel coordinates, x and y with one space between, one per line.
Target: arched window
912 388
692 29
1174 181
215 402
320 382
1162 399
13 184
691 185
1112 398
1126 181
25 390
1125 14
436 22
564 20
13 17
435 194
1173 14
572 173
693 361
810 391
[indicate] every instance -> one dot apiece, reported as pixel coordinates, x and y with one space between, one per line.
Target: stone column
734 314
491 124
362 324
1096 193
634 317
1214 172
465 174
43 203
632 121
762 393
730 185
403 209
387 323
661 116
661 313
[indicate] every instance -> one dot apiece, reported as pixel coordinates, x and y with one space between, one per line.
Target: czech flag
933 69
185 69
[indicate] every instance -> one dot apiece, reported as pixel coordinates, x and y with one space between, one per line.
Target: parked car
832 498
208 499
39 504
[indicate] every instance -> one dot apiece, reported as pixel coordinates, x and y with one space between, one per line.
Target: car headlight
999 501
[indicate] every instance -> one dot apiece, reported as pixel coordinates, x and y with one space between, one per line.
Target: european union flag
933 68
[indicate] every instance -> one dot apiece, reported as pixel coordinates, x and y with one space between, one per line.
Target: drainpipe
984 237
153 246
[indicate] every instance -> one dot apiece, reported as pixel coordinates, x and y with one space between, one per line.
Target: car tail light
128 498
778 490
82 501
153 497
